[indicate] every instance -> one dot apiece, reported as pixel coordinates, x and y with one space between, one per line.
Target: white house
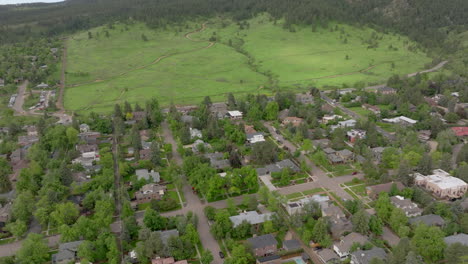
255 138
234 114
84 128
195 133
328 118
442 184
402 120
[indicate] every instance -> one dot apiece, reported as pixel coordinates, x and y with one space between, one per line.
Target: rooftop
442 179
430 220
460 238
262 241
365 256
345 244
252 217
460 131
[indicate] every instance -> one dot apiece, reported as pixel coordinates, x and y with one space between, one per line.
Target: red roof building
460 131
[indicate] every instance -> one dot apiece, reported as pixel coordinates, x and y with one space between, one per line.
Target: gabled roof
291 244
430 220
365 256
460 238
262 241
460 131
345 244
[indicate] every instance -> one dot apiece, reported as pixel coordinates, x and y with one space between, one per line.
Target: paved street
7 250
321 178
193 203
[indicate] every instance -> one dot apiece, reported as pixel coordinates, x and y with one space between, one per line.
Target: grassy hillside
318 58
105 70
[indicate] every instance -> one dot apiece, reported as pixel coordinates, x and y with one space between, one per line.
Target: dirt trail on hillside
187 36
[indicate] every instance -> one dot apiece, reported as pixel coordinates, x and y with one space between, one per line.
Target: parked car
221 254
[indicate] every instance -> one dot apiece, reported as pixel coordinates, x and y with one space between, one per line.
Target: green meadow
104 70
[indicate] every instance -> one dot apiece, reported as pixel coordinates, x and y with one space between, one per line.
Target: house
346 91
90 137
220 110
402 120
217 160
346 155
187 119
252 217
296 206
248 129
42 86
278 167
291 245
5 213
195 133
327 256
234 115
145 144
85 148
365 256
329 118
17 156
150 192
355 134
32 131
429 220
145 154
272 259
459 238
263 245
374 190
333 211
305 98
411 209
343 247
145 134
321 143
168 261
424 135
344 124
460 131
377 153
255 138
165 235
84 128
374 109
27 140
385 90
340 227
198 145
442 184
138 116
292 120
152 176
67 252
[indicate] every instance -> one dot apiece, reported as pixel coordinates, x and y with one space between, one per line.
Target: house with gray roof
278 167
411 209
429 220
460 238
291 245
263 245
67 252
165 235
217 160
343 247
152 176
251 217
327 256
365 256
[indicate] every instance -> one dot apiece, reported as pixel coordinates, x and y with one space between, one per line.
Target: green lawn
119 67
312 191
304 57
387 127
360 111
360 190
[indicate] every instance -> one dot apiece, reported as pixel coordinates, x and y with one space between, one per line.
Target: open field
319 58
175 67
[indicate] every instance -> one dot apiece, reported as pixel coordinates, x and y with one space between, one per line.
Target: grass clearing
360 111
119 67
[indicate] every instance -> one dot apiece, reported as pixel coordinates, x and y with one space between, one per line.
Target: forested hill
427 21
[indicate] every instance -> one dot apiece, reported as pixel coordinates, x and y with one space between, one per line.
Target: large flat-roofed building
442 184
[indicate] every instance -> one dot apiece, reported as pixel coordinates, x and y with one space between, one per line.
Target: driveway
18 106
